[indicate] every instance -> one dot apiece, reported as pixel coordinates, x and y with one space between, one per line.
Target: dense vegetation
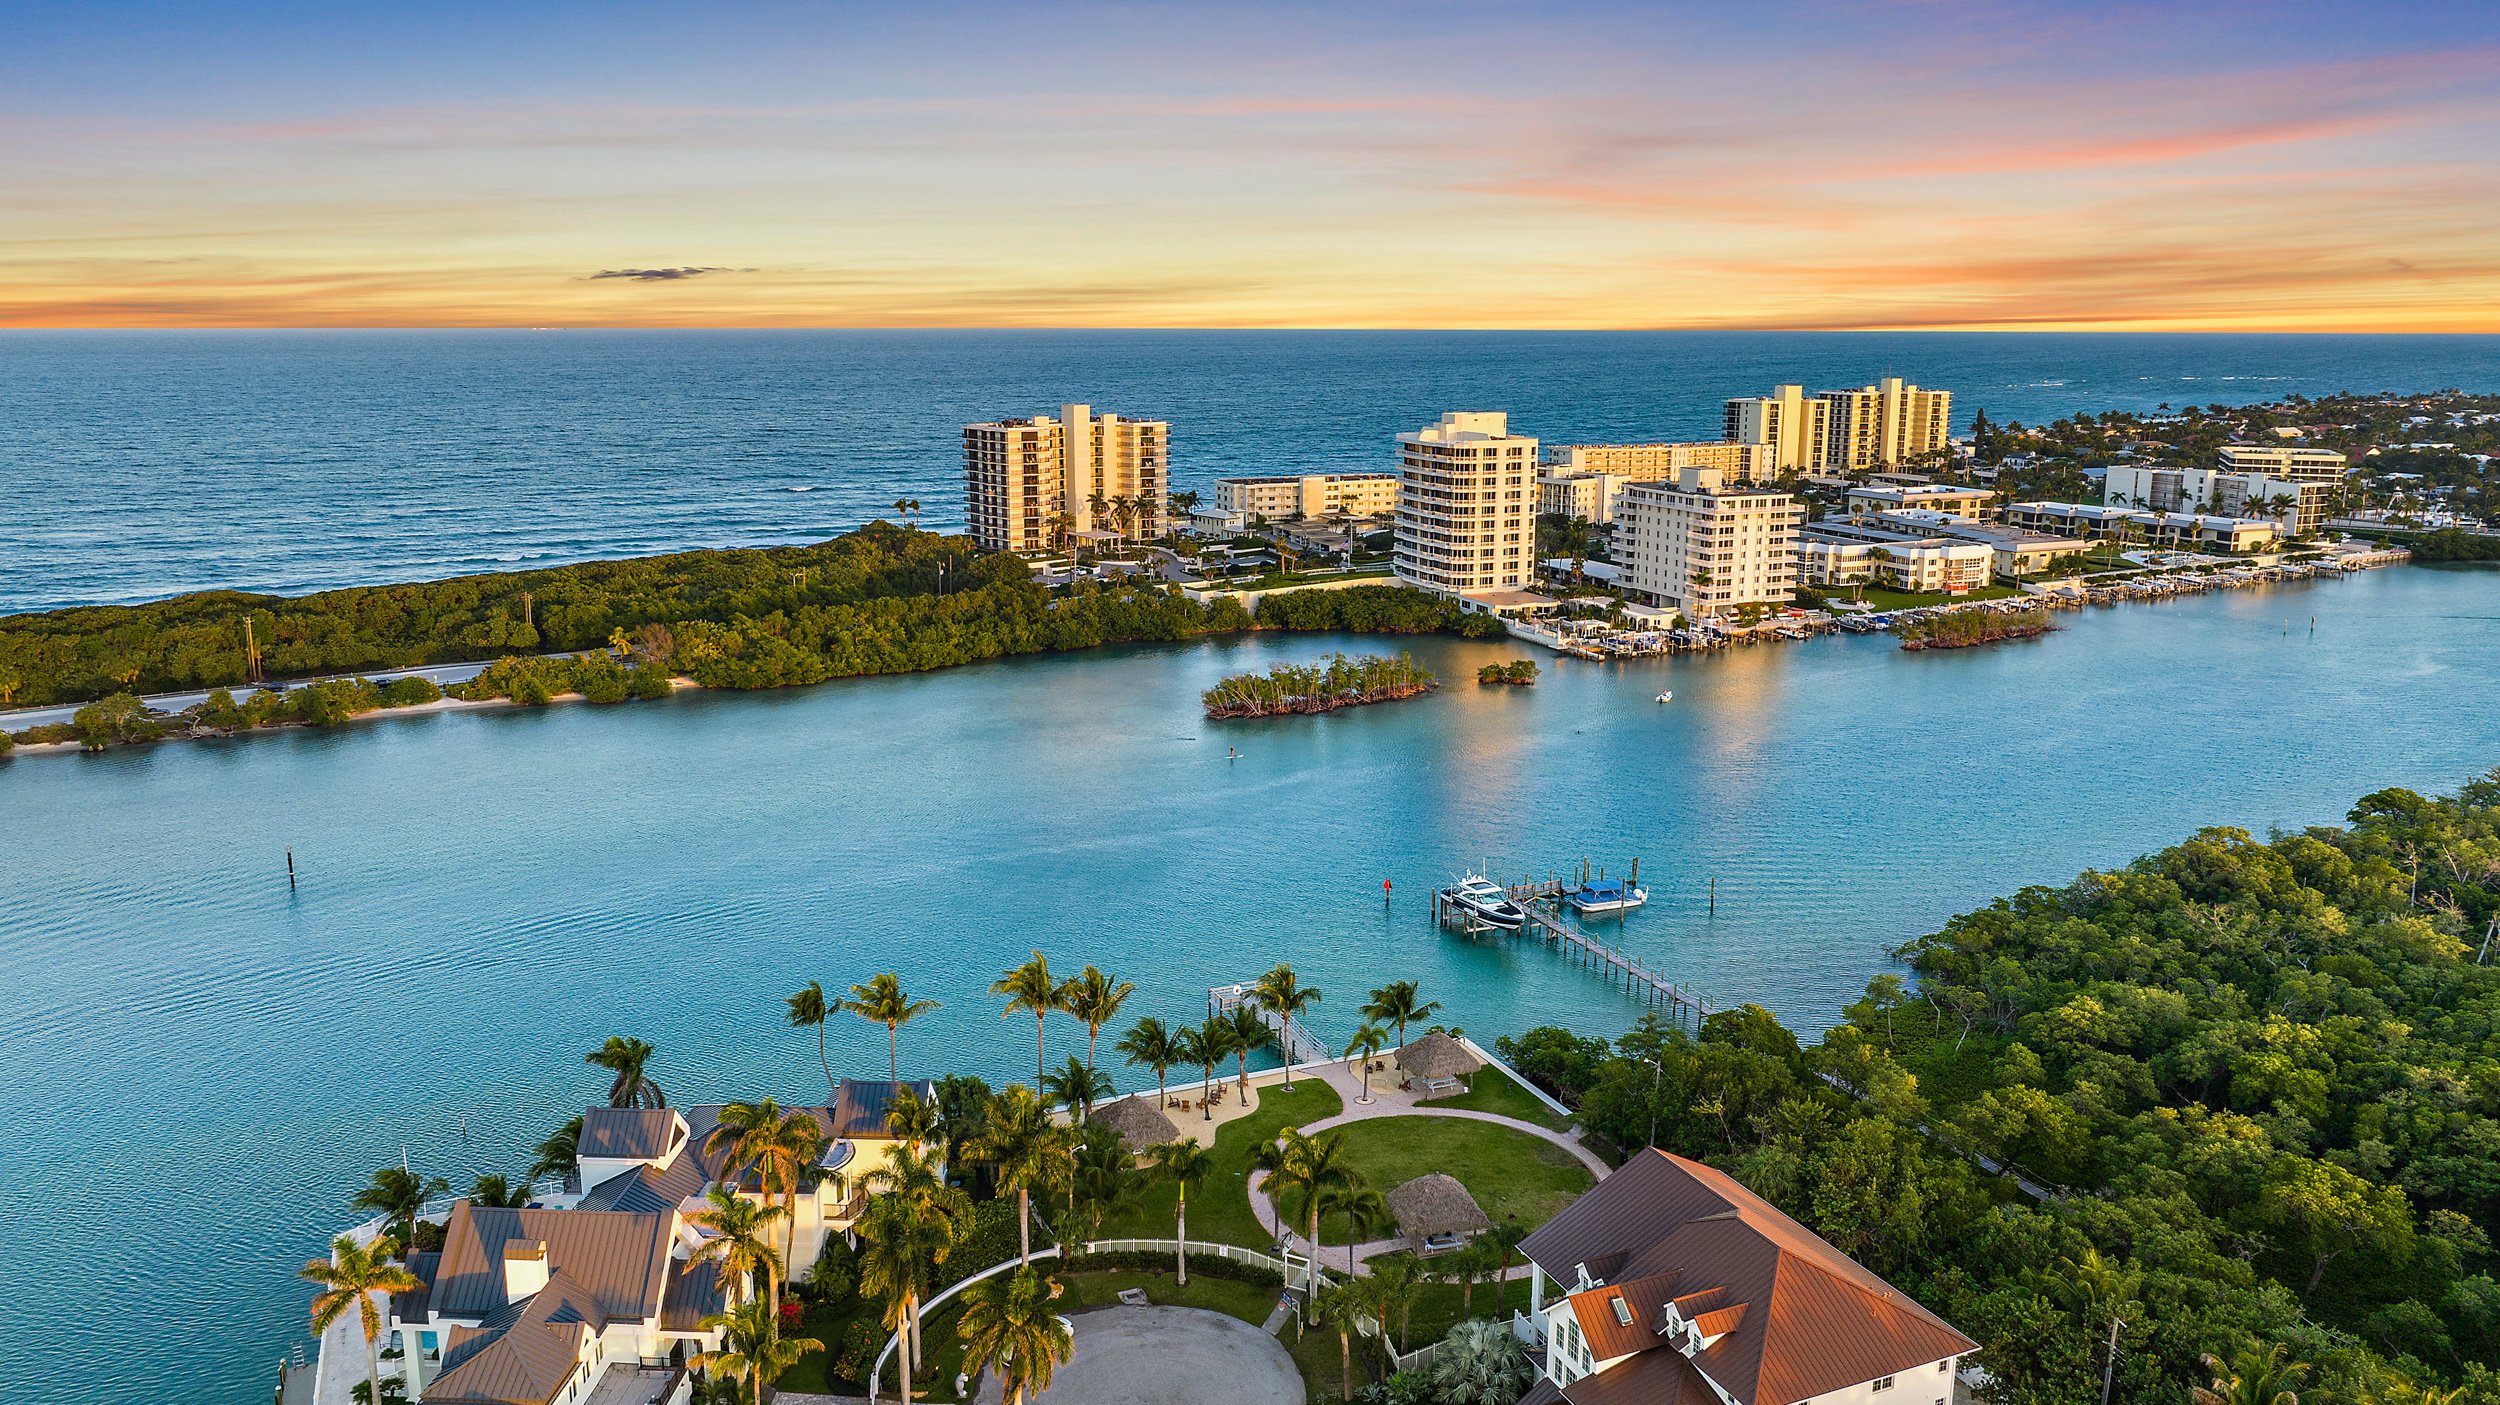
2256 1083
2449 544
1960 629
1299 689
884 599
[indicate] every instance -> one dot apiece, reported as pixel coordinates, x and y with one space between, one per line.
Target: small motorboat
1667 697
1485 901
1606 895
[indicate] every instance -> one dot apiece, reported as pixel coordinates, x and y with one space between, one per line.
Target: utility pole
2109 1368
251 649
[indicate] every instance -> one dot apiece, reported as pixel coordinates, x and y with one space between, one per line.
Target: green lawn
1498 1093
1511 1174
1248 1301
1220 1210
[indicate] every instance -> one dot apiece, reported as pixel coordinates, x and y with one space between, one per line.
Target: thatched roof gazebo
1138 1124
1437 1059
1435 1212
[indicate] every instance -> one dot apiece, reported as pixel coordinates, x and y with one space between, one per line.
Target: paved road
1167 1356
442 673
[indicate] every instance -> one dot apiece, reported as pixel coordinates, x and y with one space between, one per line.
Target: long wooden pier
1541 900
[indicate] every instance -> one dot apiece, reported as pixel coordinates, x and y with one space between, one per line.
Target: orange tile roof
1799 1318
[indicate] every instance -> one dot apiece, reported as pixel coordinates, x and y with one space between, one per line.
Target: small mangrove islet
1304 689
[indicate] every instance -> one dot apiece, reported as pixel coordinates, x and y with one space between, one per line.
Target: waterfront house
1671 1284
593 1295
537 1306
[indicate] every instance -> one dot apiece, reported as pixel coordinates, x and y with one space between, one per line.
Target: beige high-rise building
1100 473
1889 422
1793 426
1466 505
1705 548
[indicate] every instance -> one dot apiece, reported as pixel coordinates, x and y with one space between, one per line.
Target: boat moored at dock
1604 895
1486 901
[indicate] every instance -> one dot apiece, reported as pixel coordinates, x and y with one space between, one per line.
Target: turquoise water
205 1064
140 464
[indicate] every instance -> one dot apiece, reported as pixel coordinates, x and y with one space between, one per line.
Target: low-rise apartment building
1837 554
1670 1282
1587 497
1705 548
2299 506
2180 530
1297 497
2019 551
1466 505
1031 484
1586 481
1932 497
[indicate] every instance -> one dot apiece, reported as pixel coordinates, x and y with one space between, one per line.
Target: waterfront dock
1299 1044
1542 901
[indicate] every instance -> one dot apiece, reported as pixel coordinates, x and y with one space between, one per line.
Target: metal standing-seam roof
860 1105
1799 1318
1436 1055
1137 1123
1436 1204
619 1258
628 1133
523 1355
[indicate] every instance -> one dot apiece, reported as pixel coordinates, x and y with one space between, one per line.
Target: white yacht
1483 899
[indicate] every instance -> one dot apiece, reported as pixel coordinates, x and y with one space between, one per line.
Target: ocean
135 465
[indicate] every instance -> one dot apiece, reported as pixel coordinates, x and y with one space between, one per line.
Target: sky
2211 166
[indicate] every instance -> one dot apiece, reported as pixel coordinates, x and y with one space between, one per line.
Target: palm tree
912 1118
1366 1045
739 1238
1095 999
1078 1087
1397 1280
1479 1363
1283 995
1244 1034
904 1238
1470 1265
1104 1181
626 1058
882 999
352 1277
808 1010
400 1194
914 1177
1150 1042
2253 1377
498 1192
777 1145
1186 1165
1344 1307
1305 1167
1026 1152
1029 989
1206 1046
560 1154
752 1345
1505 1239
1007 1326
1363 1211
1395 1003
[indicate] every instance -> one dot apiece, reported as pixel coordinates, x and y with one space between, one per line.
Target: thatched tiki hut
1435 1063
1137 1124
1436 1214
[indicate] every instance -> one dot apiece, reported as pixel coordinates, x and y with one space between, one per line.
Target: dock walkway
1541 900
1300 1045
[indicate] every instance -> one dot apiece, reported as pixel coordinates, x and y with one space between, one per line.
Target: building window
1881 1383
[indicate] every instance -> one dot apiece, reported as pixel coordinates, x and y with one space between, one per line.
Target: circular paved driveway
1168 1356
